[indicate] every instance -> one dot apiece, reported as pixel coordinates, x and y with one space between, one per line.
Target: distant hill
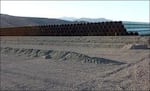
68 18
15 21
93 19
85 19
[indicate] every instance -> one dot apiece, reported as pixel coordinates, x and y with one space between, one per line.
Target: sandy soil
74 63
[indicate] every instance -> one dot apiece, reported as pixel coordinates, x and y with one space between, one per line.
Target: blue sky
115 10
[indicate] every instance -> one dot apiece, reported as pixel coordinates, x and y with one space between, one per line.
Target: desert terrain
75 63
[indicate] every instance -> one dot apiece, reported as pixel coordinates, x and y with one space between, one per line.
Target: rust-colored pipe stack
82 29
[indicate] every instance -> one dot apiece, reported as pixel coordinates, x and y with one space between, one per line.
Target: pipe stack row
115 28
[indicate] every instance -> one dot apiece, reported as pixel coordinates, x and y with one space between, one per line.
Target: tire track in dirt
124 67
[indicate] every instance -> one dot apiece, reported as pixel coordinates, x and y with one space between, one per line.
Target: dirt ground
74 63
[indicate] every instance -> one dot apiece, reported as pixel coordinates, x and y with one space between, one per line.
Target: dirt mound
58 55
135 46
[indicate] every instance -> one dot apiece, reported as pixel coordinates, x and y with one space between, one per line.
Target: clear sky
115 10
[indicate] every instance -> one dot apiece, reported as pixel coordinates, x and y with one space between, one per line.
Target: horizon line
72 17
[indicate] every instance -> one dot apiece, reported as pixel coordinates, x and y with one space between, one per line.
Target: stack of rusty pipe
115 28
